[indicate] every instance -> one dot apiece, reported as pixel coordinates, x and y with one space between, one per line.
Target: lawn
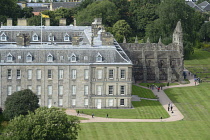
143 109
142 92
193 102
199 64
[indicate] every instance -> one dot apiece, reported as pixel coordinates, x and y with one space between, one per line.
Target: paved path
163 98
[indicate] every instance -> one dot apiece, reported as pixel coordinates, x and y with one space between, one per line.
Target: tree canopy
43 124
19 103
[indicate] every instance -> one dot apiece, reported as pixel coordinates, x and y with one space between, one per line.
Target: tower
178 37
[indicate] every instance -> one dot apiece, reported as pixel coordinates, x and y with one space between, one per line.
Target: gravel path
163 98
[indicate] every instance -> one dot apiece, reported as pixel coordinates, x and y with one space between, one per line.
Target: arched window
66 37
28 57
49 57
3 37
35 37
9 57
98 57
73 58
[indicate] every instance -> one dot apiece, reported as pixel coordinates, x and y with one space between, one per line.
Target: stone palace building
66 66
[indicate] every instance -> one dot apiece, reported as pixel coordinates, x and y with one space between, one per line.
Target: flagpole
41 28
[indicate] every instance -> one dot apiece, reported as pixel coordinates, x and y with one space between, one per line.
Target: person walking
107 115
171 108
93 115
77 112
168 108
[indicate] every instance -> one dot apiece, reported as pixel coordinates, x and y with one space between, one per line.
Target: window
111 74
86 90
18 88
35 37
29 74
86 74
60 90
9 90
85 57
9 74
99 90
122 90
60 74
99 74
60 102
86 102
28 57
39 102
111 90
73 58
19 57
66 37
74 74
122 74
122 102
73 102
3 37
49 90
73 90
110 102
38 74
29 87
61 58
49 104
18 74
9 57
51 37
39 90
49 74
49 58
98 57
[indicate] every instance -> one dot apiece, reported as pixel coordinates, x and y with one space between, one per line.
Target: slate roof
193 5
203 4
56 5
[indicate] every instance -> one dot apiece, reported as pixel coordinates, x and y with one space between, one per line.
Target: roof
207 8
203 4
56 5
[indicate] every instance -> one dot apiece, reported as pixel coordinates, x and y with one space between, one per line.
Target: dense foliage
43 124
19 103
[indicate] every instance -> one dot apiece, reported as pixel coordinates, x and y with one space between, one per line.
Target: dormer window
49 57
66 37
9 57
99 58
3 37
28 57
51 37
35 37
73 58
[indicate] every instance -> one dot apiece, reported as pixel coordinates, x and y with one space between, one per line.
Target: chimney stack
47 22
9 22
62 22
22 22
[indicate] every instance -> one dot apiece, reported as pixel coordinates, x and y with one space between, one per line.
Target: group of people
154 86
78 113
170 106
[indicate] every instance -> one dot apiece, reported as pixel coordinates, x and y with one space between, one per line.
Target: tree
19 103
205 32
99 9
120 29
44 124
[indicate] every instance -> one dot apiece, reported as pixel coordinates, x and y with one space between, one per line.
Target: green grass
144 109
199 64
142 92
157 84
193 102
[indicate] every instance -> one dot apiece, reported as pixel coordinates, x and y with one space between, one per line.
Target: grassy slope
193 102
142 92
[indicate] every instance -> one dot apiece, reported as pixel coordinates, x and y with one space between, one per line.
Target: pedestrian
161 87
148 86
93 115
168 84
169 104
77 112
171 107
195 83
161 118
168 108
107 115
